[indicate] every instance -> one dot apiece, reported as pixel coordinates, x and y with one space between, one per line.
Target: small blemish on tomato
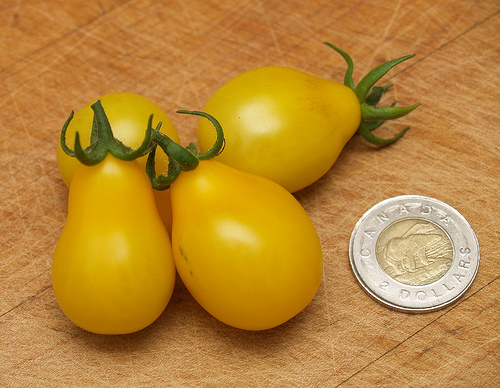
182 254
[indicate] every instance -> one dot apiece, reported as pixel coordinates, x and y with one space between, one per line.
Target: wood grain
58 55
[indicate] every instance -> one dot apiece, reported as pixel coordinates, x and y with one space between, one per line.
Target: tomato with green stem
243 245
112 271
290 126
128 115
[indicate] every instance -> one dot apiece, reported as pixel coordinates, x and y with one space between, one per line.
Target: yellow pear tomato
290 126
244 247
128 115
113 271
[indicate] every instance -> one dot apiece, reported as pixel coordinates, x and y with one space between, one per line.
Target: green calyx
369 96
179 158
102 142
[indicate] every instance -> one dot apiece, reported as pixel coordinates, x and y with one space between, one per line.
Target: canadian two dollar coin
414 253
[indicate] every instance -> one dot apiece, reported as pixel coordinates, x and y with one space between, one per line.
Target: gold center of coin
414 251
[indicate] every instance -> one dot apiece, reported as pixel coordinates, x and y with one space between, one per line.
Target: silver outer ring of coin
414 298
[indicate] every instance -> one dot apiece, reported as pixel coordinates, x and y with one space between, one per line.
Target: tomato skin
243 246
128 115
113 271
282 124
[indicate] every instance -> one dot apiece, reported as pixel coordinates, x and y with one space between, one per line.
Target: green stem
104 142
367 134
62 138
369 96
220 142
180 158
350 66
375 94
364 86
162 182
369 112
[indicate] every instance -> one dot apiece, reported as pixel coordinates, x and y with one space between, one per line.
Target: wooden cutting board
57 56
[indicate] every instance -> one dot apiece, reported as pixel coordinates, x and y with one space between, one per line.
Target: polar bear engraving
416 252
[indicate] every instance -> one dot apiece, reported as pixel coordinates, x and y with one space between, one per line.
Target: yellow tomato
113 271
283 124
128 115
243 246
290 126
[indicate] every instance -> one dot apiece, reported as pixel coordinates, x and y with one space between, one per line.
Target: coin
414 253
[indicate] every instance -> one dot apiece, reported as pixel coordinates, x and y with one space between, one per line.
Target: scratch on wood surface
430 324
27 137
45 12
466 354
188 19
188 86
330 327
239 14
40 71
386 31
26 300
378 172
269 25
391 21
10 24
